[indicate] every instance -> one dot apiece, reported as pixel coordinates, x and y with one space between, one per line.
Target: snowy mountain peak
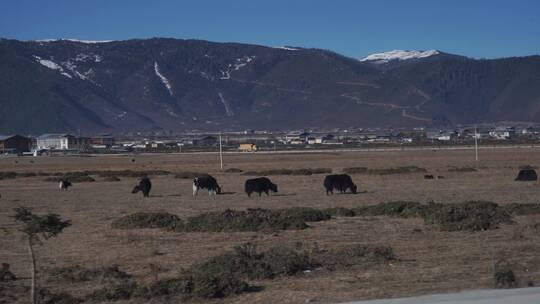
75 40
398 55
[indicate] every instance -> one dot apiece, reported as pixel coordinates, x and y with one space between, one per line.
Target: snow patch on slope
285 48
242 62
399 55
228 110
237 65
163 78
52 65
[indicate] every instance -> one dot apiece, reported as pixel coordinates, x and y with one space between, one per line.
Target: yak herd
260 185
338 182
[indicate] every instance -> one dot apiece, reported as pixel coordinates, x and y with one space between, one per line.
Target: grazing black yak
206 182
64 185
144 186
259 185
526 175
429 176
341 182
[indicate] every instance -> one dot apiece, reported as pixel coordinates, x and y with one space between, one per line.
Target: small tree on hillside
38 228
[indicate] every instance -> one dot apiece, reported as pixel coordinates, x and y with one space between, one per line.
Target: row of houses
251 141
18 144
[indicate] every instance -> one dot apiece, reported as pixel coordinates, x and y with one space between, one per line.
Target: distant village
253 141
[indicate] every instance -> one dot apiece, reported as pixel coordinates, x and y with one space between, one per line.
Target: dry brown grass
429 260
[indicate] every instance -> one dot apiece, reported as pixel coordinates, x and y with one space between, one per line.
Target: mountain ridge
185 84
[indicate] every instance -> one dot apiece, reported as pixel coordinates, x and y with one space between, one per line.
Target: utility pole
476 143
220 153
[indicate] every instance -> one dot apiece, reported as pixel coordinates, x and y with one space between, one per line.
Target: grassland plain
429 260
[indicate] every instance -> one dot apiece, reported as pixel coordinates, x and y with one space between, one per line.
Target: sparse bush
472 216
354 255
127 173
219 285
47 297
303 171
148 220
397 170
387 171
234 170
123 291
169 287
111 178
303 213
250 220
522 209
338 211
6 274
189 175
503 275
462 169
395 209
26 174
80 274
7 175
355 170
228 220
247 262
74 177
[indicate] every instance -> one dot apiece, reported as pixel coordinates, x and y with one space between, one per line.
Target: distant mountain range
173 84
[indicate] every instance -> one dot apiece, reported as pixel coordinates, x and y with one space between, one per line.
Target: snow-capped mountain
399 55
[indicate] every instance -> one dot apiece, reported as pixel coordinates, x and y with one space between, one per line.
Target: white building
59 142
503 133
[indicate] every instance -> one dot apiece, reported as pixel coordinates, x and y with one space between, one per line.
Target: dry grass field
430 260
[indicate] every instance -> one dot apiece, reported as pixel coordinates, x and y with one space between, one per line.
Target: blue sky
476 28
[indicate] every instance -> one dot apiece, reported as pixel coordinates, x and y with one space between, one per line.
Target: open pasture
428 261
